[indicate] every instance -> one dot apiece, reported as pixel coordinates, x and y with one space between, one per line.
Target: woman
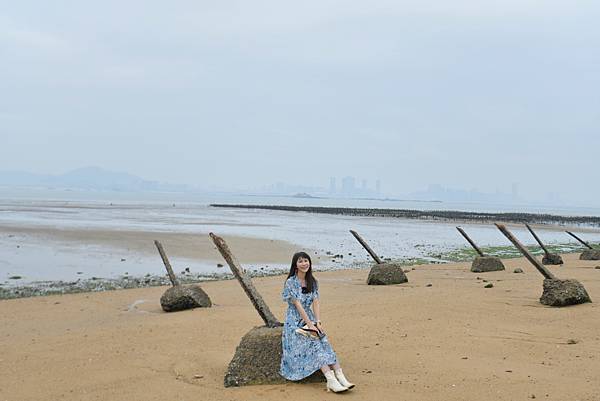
305 345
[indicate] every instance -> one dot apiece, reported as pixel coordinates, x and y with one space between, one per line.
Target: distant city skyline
96 178
347 188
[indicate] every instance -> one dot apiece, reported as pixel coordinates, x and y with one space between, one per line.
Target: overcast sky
465 93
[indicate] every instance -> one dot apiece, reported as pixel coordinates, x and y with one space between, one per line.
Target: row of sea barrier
97 284
441 215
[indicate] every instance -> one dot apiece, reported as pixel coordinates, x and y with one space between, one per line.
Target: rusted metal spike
537 239
579 239
165 260
464 234
261 307
366 246
538 265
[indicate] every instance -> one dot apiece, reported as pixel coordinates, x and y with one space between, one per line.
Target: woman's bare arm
303 314
317 310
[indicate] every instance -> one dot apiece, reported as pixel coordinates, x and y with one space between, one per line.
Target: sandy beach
453 340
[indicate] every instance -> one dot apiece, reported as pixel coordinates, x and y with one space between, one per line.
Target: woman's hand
311 326
320 327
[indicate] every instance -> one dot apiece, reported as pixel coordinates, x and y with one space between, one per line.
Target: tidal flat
52 246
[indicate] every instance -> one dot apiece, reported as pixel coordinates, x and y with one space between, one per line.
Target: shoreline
51 257
42 259
126 281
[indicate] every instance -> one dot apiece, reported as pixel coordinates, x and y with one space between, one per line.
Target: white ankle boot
342 379
333 384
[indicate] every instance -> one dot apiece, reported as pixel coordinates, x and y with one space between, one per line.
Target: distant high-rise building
364 185
378 187
515 191
332 188
348 185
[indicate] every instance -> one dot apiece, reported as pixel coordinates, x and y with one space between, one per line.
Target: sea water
33 259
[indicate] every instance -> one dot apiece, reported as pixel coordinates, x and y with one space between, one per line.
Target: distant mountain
95 177
88 178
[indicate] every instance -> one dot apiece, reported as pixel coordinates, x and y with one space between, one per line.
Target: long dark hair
311 282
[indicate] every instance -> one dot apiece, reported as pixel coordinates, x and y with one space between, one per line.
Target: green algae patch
504 252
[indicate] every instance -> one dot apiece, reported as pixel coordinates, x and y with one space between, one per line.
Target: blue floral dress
301 355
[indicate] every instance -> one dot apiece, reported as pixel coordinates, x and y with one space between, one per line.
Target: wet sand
184 245
49 241
454 340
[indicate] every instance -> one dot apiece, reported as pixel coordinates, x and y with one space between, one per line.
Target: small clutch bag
310 333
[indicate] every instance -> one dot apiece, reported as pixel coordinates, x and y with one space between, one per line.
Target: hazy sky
472 94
